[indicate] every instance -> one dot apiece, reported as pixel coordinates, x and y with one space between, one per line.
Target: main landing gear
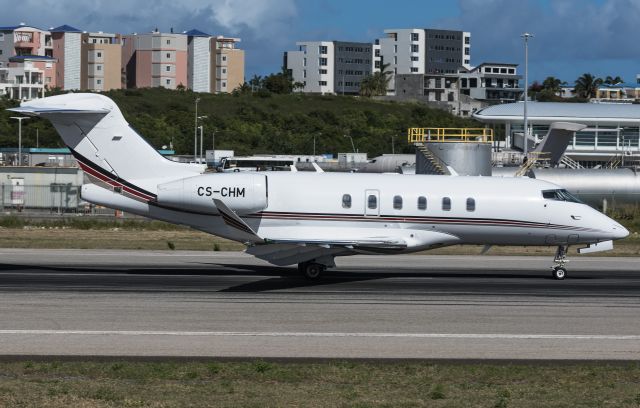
311 270
558 270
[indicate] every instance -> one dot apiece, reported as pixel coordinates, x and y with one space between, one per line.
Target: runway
217 304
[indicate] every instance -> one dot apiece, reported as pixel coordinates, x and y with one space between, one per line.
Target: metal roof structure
196 33
65 29
549 112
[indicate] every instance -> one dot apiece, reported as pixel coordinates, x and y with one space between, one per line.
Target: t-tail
106 146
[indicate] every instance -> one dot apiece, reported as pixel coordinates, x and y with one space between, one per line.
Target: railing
460 135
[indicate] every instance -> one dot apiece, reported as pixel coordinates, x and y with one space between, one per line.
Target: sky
571 37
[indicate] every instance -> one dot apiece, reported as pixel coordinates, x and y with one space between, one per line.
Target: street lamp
20 119
201 131
195 133
526 37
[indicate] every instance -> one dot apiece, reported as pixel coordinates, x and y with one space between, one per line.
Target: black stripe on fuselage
106 173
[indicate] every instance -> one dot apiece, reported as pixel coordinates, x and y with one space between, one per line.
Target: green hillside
256 123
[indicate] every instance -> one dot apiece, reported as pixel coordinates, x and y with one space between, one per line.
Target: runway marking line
503 336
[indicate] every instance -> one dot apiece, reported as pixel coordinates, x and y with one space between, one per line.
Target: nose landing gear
558 271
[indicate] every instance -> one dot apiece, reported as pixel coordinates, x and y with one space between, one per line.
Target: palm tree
552 84
256 83
376 84
613 81
587 85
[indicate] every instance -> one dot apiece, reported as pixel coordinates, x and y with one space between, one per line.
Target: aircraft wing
304 244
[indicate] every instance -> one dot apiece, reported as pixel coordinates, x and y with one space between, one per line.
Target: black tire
559 273
311 270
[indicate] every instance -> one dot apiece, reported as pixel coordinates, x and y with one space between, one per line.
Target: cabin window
397 203
372 202
446 204
346 201
422 203
471 204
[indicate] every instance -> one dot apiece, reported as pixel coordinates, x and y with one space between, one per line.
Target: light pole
393 145
201 131
195 133
20 119
526 37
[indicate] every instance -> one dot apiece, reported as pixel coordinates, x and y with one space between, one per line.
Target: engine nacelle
244 193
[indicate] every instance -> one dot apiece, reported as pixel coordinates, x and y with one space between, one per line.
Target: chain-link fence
51 198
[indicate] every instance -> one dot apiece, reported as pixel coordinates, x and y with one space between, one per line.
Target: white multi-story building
313 66
336 67
422 51
198 61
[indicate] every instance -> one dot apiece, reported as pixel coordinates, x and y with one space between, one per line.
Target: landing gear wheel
311 270
559 273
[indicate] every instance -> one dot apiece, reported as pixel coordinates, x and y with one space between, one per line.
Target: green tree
280 83
377 83
609 80
552 84
587 86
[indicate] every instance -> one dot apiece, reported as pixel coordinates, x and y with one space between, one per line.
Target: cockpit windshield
560 195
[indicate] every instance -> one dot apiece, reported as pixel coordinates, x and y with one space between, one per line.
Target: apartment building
67 50
334 67
227 62
492 82
25 77
101 61
23 40
422 51
199 61
155 60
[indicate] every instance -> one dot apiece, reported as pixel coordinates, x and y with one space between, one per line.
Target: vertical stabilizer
104 144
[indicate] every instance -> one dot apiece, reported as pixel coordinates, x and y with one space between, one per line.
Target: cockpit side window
560 195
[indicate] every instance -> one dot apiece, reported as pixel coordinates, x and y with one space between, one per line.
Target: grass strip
334 383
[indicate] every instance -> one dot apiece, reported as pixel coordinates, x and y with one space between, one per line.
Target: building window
397 202
471 204
512 71
467 40
304 62
322 83
224 70
99 81
372 202
323 62
415 37
99 67
346 201
168 42
422 203
322 71
0 52
467 62
415 48
99 54
446 204
168 82
503 70
168 68
414 69
1 36
377 65
224 58
323 49
377 52
395 48
414 58
224 84
304 73
168 55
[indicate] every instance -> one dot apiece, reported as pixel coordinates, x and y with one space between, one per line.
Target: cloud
566 31
263 25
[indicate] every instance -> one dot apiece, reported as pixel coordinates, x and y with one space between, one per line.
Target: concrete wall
352 63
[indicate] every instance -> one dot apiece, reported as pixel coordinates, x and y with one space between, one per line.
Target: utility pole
195 133
37 137
201 132
20 119
393 145
526 37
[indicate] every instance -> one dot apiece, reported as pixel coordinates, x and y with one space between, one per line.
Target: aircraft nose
619 231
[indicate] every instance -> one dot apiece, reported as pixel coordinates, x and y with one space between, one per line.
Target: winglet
232 220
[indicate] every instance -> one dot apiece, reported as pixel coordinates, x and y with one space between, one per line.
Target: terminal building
612 133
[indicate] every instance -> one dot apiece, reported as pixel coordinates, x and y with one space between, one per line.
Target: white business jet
309 218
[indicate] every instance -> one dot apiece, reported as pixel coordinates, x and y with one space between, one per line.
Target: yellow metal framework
461 135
